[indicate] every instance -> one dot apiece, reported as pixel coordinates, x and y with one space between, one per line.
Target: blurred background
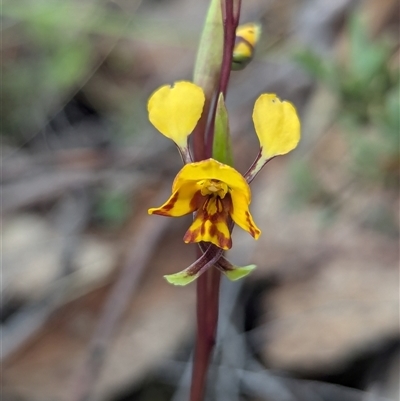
85 309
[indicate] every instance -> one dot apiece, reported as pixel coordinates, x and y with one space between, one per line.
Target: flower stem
208 283
231 21
207 319
231 15
256 167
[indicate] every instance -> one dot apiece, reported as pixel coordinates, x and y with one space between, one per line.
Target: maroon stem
208 283
207 319
199 152
231 21
254 169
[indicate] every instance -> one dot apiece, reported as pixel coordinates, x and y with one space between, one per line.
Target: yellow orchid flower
215 191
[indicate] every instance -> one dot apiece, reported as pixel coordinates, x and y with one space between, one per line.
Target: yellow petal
185 199
210 169
250 32
277 125
240 214
175 110
211 225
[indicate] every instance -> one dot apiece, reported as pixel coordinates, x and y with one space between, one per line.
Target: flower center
213 187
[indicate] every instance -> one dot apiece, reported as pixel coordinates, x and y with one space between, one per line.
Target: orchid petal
181 278
241 215
277 125
184 200
211 169
238 272
210 224
175 110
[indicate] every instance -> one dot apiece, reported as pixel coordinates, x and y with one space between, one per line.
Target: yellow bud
246 39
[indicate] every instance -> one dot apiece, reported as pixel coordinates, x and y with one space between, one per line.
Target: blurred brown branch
144 243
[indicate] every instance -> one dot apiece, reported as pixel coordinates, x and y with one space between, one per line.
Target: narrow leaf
209 56
222 147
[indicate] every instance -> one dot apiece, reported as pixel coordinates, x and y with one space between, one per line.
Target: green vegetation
367 88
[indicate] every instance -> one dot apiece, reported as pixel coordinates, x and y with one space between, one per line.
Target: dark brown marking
171 203
240 39
203 228
202 203
252 230
190 236
213 230
197 201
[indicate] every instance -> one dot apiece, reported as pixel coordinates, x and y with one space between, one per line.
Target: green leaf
392 107
209 56
68 65
112 208
222 147
318 67
239 272
182 278
366 58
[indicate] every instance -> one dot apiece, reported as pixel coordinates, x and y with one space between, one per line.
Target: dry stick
71 218
209 282
257 381
150 234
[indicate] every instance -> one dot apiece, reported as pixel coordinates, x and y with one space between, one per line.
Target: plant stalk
207 319
231 15
208 284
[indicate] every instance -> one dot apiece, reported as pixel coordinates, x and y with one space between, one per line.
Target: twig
71 218
44 187
150 234
268 386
